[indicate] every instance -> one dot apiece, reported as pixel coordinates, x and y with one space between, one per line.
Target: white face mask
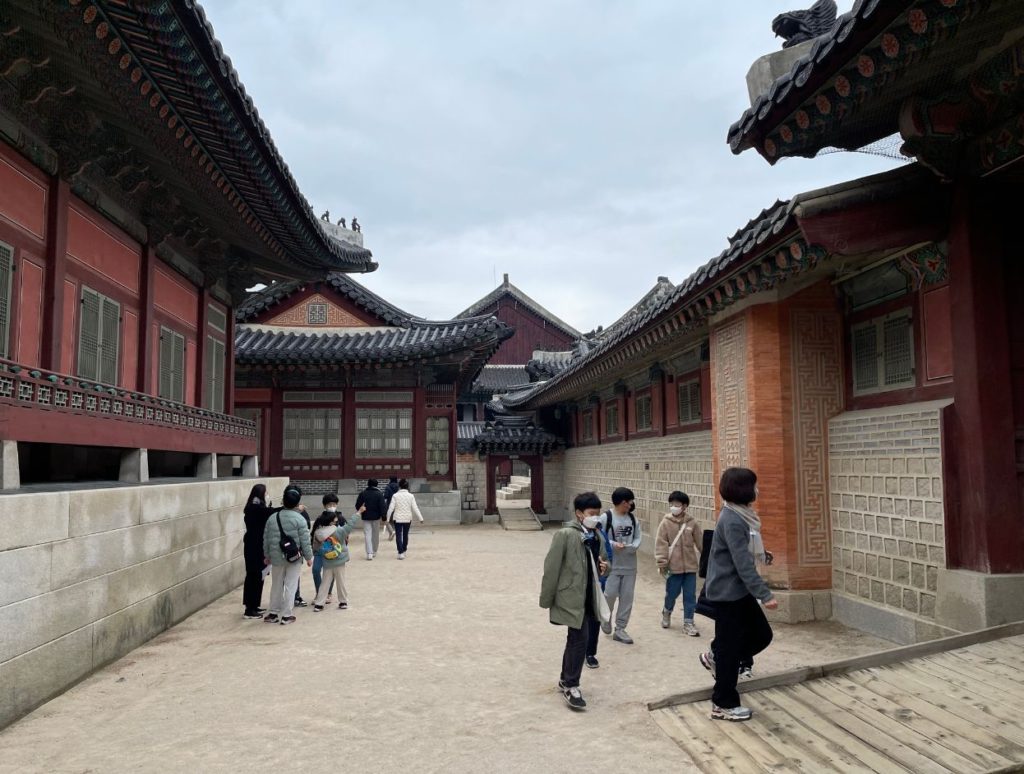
332 508
590 522
675 510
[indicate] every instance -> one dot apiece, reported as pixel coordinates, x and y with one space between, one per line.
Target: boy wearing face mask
623 530
677 550
571 589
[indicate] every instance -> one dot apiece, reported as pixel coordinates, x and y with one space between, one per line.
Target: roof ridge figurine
797 27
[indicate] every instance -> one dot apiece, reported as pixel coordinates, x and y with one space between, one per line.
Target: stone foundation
90 574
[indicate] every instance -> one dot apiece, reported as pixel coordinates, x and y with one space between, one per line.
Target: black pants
741 632
402 536
593 633
252 589
575 652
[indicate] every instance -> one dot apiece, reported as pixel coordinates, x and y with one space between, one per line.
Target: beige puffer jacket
686 554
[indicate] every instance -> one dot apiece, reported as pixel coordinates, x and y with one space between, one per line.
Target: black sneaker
288 619
574 698
300 602
317 608
270 618
592 662
252 614
343 605
261 610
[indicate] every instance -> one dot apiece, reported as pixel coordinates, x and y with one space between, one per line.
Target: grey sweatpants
620 587
371 536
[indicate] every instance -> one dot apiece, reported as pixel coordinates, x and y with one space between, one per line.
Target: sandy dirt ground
443 663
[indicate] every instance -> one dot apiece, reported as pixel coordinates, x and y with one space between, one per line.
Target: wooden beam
53 284
868 661
146 354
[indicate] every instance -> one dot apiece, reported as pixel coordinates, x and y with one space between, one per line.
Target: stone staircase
518 489
518 517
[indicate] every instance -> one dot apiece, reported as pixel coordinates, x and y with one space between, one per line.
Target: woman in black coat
257 511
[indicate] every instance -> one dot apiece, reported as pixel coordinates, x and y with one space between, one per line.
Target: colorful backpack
332 549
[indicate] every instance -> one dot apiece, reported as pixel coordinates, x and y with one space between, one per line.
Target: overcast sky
578 145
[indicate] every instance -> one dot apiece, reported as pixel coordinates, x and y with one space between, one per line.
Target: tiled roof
544 365
177 48
495 379
772 224
342 284
511 291
514 435
827 53
254 345
662 289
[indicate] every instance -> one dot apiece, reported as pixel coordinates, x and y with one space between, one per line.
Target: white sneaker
401 556
369 557
735 714
690 630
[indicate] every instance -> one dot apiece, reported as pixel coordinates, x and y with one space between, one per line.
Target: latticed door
438 441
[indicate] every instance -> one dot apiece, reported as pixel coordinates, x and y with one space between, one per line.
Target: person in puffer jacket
677 550
401 510
284 575
330 542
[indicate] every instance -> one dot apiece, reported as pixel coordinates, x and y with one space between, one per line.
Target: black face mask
632 507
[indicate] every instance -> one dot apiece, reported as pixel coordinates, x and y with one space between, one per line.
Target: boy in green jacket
571 590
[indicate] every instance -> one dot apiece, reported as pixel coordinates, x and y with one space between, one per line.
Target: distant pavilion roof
507 290
507 435
495 379
273 295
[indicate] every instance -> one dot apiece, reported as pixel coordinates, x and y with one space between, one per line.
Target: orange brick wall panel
298 315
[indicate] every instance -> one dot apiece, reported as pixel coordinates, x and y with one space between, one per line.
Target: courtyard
442 663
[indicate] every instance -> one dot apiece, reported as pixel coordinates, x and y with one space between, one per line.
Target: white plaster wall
88 575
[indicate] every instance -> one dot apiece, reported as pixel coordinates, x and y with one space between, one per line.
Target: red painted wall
175 297
129 350
22 198
69 326
30 309
531 333
103 249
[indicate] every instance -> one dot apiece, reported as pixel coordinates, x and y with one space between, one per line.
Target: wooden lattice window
312 433
611 419
588 425
216 318
689 402
384 433
643 412
438 442
172 365
215 367
6 275
883 353
99 337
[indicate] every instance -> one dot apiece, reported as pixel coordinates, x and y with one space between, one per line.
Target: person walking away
677 550
373 499
735 588
330 541
330 503
389 492
624 532
257 511
571 591
287 524
403 507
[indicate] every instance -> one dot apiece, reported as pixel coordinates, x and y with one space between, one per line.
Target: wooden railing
166 422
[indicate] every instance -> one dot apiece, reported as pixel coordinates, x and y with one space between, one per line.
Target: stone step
519 519
522 480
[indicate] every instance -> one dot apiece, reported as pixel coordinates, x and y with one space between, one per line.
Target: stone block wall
471 476
652 468
557 505
885 471
90 574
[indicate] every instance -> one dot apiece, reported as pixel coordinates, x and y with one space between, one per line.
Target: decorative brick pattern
729 361
652 468
817 395
299 314
887 509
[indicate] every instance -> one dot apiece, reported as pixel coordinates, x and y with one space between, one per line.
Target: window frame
690 384
6 299
214 375
331 443
102 301
648 401
587 425
611 412
179 372
877 324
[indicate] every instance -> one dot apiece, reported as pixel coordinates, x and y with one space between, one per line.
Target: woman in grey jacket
735 588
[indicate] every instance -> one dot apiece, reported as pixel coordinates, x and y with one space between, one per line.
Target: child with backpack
622 528
330 542
677 550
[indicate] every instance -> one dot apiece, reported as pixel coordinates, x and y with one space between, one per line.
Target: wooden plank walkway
950 705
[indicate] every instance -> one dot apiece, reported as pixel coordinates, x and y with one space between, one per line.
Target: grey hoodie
623 559
732 573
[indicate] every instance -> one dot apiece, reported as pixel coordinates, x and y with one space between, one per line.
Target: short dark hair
403 484
372 483
586 500
622 495
330 498
737 486
393 480
679 497
292 496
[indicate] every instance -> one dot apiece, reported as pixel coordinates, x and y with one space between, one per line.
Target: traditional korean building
857 345
140 194
344 387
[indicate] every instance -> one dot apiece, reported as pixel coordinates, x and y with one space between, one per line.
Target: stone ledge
968 600
887 623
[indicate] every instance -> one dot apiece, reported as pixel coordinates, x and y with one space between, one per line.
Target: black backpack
289 547
608 524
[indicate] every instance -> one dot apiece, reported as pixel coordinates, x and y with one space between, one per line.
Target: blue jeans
686 582
318 572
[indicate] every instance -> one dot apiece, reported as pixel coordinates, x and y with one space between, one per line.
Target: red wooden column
348 432
453 439
146 354
536 463
275 433
983 529
620 396
56 262
419 433
657 375
202 331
